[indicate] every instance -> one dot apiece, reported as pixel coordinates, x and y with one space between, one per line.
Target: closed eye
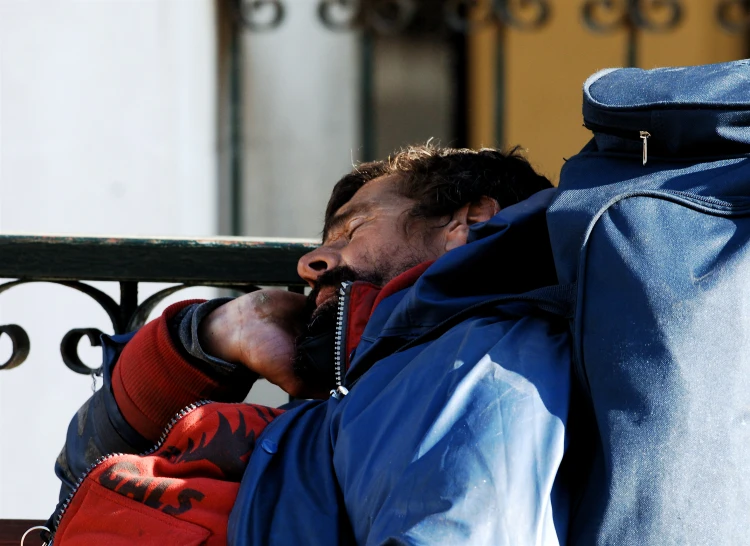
354 225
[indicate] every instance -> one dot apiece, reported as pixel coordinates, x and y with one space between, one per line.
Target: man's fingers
259 330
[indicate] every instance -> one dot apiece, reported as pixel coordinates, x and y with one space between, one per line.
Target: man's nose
313 264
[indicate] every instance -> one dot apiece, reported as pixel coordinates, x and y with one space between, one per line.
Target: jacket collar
365 297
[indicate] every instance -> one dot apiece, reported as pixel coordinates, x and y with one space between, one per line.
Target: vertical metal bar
481 60
236 119
631 46
631 53
461 99
367 93
128 304
500 87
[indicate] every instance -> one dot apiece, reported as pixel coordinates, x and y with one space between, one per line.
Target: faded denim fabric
661 256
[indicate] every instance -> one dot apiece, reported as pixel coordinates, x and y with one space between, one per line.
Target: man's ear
457 230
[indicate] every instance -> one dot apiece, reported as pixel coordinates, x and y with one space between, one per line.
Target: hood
508 254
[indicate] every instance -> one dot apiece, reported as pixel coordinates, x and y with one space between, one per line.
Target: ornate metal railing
450 19
237 263
393 16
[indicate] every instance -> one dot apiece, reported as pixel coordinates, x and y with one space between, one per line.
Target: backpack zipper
179 415
626 134
340 344
645 135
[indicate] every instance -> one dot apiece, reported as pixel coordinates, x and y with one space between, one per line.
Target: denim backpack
652 225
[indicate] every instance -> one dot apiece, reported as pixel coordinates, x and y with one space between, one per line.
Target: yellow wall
545 71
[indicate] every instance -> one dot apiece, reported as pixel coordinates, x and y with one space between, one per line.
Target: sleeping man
436 394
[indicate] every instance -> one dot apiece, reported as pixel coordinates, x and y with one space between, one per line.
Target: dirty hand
258 330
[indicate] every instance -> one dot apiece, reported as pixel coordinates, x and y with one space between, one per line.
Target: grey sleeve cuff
184 330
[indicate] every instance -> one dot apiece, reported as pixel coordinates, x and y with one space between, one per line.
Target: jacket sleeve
485 467
98 427
148 377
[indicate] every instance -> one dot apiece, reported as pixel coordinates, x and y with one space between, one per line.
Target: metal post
631 46
128 304
367 90
500 87
461 104
235 102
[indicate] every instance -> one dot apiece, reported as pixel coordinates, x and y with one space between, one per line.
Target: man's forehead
380 191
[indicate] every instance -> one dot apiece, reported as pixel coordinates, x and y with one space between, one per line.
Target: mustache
331 279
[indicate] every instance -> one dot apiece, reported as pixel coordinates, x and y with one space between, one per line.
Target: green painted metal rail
239 263
226 260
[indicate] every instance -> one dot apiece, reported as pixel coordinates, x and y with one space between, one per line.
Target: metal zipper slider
339 392
645 135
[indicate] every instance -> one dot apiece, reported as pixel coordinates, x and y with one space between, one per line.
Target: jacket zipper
340 344
338 393
179 415
627 134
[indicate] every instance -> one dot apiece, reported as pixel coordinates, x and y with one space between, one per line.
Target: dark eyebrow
340 220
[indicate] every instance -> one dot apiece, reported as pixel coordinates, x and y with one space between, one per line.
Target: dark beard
333 279
314 361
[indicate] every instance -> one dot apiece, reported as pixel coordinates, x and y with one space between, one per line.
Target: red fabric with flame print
181 494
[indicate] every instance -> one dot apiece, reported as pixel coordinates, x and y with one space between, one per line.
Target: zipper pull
645 135
37 528
339 392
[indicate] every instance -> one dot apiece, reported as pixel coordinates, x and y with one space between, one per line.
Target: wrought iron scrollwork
393 16
468 15
734 15
643 11
339 14
523 14
69 349
380 16
260 15
69 345
604 15
109 305
78 262
142 312
389 16
125 317
20 349
18 337
651 15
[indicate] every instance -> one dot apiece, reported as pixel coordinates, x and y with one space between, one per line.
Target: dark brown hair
442 180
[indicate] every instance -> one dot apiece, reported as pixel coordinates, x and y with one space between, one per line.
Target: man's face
371 238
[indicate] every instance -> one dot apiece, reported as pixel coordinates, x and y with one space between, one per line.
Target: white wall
107 126
301 130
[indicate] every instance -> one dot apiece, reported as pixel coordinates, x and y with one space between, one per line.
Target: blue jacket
454 435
